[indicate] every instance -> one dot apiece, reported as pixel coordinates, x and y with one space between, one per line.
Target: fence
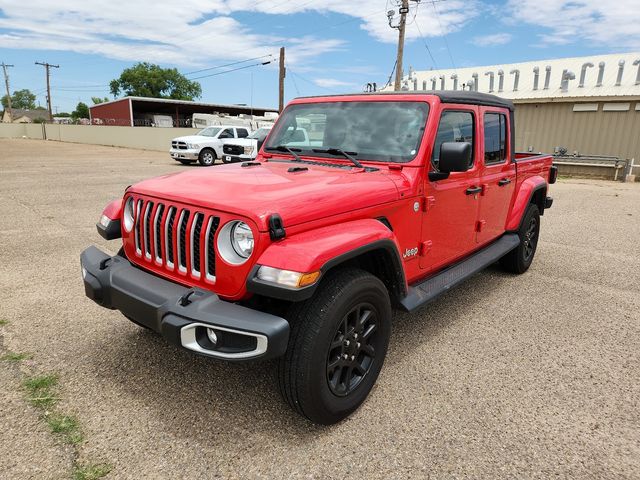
146 138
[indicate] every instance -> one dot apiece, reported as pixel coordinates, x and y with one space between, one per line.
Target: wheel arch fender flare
532 190
368 243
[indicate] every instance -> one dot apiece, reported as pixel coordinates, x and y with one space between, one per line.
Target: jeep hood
256 192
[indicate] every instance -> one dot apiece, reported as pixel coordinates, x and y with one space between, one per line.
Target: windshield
377 131
209 132
260 134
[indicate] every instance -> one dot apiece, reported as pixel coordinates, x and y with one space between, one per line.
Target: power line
228 64
231 70
444 35
417 24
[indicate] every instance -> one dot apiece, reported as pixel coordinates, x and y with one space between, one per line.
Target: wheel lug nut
358 345
347 343
353 357
355 335
345 356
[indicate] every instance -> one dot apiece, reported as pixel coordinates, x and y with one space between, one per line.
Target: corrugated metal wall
545 126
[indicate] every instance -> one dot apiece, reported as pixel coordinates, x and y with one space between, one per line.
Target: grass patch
3 322
40 391
65 426
91 472
15 357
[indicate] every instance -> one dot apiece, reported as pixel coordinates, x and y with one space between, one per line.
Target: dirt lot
530 376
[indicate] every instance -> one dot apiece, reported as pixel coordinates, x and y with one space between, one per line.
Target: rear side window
455 126
495 138
242 133
227 133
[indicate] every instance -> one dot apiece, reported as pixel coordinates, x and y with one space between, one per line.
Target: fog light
104 221
211 335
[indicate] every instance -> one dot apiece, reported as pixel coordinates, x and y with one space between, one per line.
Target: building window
585 107
616 107
495 138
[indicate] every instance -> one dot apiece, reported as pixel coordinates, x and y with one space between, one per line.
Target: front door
451 205
497 176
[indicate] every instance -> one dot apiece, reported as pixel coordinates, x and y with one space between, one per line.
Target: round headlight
235 242
128 215
242 239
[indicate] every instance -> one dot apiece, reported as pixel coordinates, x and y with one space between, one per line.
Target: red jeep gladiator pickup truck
303 254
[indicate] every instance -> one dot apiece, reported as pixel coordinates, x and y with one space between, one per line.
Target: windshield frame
307 151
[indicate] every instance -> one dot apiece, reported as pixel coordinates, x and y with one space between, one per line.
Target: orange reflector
308 278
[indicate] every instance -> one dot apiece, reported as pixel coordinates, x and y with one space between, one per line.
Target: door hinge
425 247
480 225
428 203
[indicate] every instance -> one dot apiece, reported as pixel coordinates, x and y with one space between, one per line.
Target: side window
226 133
242 133
495 138
455 126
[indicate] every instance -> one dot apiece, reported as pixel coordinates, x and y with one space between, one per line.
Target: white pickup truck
206 145
246 149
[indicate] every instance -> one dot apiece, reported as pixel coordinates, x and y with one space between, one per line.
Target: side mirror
454 157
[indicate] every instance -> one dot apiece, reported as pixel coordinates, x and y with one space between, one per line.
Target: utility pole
47 66
283 73
6 83
404 9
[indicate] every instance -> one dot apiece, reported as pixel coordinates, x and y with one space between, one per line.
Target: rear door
497 174
451 205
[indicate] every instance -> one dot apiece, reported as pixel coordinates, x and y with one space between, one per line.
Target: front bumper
178 154
182 315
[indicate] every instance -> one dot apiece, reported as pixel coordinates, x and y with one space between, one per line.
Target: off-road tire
519 259
304 374
207 157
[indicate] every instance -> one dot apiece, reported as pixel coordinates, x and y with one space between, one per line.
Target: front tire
519 259
207 157
338 342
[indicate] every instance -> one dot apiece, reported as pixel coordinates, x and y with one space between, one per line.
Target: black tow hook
184 299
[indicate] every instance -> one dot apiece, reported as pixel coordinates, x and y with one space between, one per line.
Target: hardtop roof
446 96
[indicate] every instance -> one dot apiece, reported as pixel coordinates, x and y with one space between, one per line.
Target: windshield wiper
337 151
290 151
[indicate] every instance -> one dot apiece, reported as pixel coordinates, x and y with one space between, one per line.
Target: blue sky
333 46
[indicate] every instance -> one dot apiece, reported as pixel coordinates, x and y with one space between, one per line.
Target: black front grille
211 256
197 228
147 228
158 231
172 219
183 238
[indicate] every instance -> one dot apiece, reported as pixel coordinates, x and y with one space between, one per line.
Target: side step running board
422 293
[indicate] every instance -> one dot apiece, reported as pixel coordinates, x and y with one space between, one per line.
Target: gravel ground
529 376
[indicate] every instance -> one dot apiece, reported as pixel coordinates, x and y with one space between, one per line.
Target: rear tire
519 259
207 157
337 346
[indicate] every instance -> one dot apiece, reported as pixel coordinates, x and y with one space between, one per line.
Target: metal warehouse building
139 111
589 105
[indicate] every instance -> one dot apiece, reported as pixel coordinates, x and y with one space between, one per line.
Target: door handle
473 190
503 182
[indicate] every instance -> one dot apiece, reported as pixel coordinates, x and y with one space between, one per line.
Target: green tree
97 100
81 111
149 80
20 99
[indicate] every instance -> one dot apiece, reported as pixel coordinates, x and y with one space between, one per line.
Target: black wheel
337 346
186 162
519 259
207 157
